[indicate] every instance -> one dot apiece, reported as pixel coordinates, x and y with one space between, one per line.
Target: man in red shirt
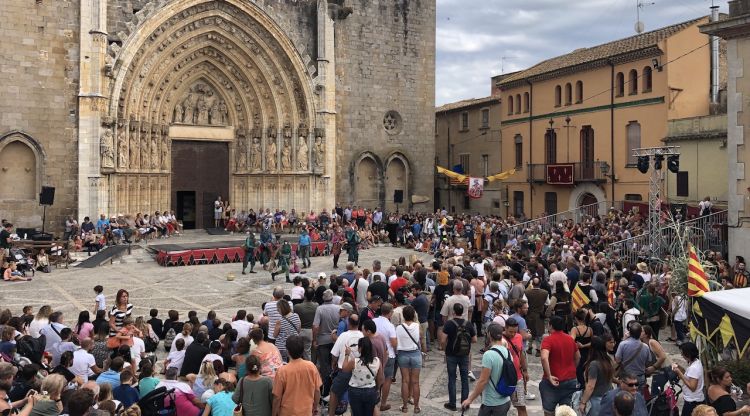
560 357
400 281
515 346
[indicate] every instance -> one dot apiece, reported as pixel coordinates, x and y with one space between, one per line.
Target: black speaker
42 236
398 196
47 196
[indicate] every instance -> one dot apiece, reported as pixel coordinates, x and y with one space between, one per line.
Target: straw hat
642 267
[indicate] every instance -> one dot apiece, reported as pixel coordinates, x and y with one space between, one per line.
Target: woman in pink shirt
84 328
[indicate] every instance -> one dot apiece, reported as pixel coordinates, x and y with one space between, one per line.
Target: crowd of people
338 342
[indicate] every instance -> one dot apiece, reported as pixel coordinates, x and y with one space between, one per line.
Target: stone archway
368 181
397 179
218 72
582 194
21 167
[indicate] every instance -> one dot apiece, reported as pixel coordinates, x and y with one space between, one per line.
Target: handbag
238 409
113 343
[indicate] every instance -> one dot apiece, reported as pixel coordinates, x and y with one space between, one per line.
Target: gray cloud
473 35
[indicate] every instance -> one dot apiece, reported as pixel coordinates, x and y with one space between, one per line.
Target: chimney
714 59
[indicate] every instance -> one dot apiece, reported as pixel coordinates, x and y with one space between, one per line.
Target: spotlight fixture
673 163
642 164
658 159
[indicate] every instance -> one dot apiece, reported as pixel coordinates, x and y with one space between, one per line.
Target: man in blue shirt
112 376
102 225
304 248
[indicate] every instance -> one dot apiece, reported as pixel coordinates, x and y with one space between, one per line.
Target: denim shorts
410 359
553 396
341 383
390 368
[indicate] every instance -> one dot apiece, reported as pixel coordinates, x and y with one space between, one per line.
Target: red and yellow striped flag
611 286
579 298
697 281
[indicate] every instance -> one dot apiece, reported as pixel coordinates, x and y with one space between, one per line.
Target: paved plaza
206 287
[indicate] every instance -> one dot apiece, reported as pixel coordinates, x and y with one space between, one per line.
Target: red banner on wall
476 188
560 174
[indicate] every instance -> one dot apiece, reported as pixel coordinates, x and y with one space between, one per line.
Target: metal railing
705 233
547 223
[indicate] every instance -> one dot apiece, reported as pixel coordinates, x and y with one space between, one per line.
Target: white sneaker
530 396
472 377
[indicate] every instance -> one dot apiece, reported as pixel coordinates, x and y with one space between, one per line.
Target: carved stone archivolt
210 64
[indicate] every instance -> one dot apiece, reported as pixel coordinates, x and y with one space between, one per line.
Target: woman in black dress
719 396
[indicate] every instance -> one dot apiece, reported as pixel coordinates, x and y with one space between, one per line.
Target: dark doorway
185 208
200 173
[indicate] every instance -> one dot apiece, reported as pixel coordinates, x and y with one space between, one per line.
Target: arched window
18 174
620 84
518 103
510 105
526 104
558 96
647 79
633 131
579 92
568 94
633 82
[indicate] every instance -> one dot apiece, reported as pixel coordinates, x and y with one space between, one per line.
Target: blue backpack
506 385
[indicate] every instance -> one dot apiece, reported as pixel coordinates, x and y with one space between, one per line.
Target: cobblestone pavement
206 287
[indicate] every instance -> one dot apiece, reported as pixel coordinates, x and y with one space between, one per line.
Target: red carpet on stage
211 252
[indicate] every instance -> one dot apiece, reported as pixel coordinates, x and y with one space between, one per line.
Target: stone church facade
129 106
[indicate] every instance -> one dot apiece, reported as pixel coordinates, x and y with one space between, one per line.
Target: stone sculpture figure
214 116
302 154
133 145
144 151
241 153
107 150
179 113
286 156
255 154
223 113
122 145
189 109
318 153
155 152
202 109
271 155
164 151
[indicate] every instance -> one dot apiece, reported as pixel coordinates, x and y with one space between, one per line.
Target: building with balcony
467 139
569 123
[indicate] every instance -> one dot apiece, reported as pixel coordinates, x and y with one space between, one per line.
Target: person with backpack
560 357
498 378
456 339
515 346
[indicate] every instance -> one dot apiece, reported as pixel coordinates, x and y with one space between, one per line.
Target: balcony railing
582 172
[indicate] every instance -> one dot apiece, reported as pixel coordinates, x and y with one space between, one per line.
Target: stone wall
38 77
385 61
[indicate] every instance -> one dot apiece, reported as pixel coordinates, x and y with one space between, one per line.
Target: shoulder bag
238 409
419 348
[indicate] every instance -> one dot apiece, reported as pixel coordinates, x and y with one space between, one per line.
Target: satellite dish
639 27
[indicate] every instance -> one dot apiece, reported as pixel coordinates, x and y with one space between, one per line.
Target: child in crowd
125 393
156 324
100 301
176 357
12 274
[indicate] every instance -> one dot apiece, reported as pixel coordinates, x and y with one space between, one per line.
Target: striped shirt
119 317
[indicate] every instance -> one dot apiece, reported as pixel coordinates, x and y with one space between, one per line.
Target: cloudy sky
477 39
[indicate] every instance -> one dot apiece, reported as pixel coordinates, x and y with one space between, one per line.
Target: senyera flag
697 281
579 298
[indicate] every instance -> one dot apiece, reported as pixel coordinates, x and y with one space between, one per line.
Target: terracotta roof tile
467 103
601 52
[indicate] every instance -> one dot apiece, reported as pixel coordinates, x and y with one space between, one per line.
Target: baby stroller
24 263
152 404
665 403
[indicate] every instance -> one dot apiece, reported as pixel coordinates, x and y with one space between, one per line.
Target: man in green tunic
352 243
284 256
249 246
